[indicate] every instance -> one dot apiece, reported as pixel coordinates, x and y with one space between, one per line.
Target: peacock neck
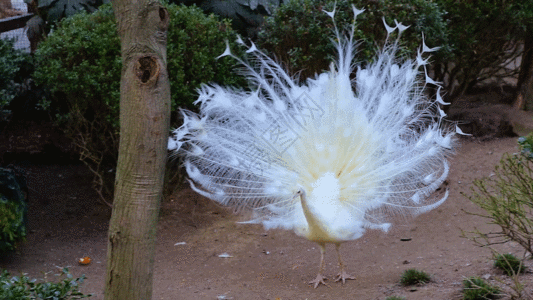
315 232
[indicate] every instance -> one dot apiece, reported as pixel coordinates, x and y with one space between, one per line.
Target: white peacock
327 159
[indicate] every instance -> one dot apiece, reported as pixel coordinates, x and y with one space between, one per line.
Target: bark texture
144 126
524 99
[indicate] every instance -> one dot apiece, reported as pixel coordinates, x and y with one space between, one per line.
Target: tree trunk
144 126
524 98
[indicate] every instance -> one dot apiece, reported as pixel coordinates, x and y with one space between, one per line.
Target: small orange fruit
84 260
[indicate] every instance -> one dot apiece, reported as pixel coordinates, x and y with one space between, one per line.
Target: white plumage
327 159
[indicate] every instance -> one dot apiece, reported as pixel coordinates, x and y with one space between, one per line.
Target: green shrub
12 63
476 38
414 276
25 288
395 298
484 36
12 227
506 199
299 32
246 16
476 288
80 62
509 264
525 143
13 209
194 41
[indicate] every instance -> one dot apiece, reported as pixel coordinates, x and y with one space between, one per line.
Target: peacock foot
344 276
318 280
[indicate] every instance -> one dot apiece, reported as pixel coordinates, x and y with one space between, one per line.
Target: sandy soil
67 223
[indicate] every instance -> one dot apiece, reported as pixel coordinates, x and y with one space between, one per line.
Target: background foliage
506 199
246 15
483 36
55 10
478 38
475 288
13 210
13 71
80 63
300 33
22 287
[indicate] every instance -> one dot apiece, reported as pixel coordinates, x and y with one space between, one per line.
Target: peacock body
327 159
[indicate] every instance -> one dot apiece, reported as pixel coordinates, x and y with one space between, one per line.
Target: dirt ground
67 223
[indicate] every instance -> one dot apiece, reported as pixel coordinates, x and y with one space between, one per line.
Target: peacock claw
319 280
344 276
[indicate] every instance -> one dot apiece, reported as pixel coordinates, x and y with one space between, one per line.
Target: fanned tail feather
376 134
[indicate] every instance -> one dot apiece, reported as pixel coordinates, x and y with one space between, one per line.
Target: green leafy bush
12 228
476 288
506 198
246 16
12 63
484 37
414 276
477 39
13 210
80 62
55 10
25 288
300 33
194 42
525 144
509 263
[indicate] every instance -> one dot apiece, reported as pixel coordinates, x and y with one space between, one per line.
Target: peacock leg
319 278
342 274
